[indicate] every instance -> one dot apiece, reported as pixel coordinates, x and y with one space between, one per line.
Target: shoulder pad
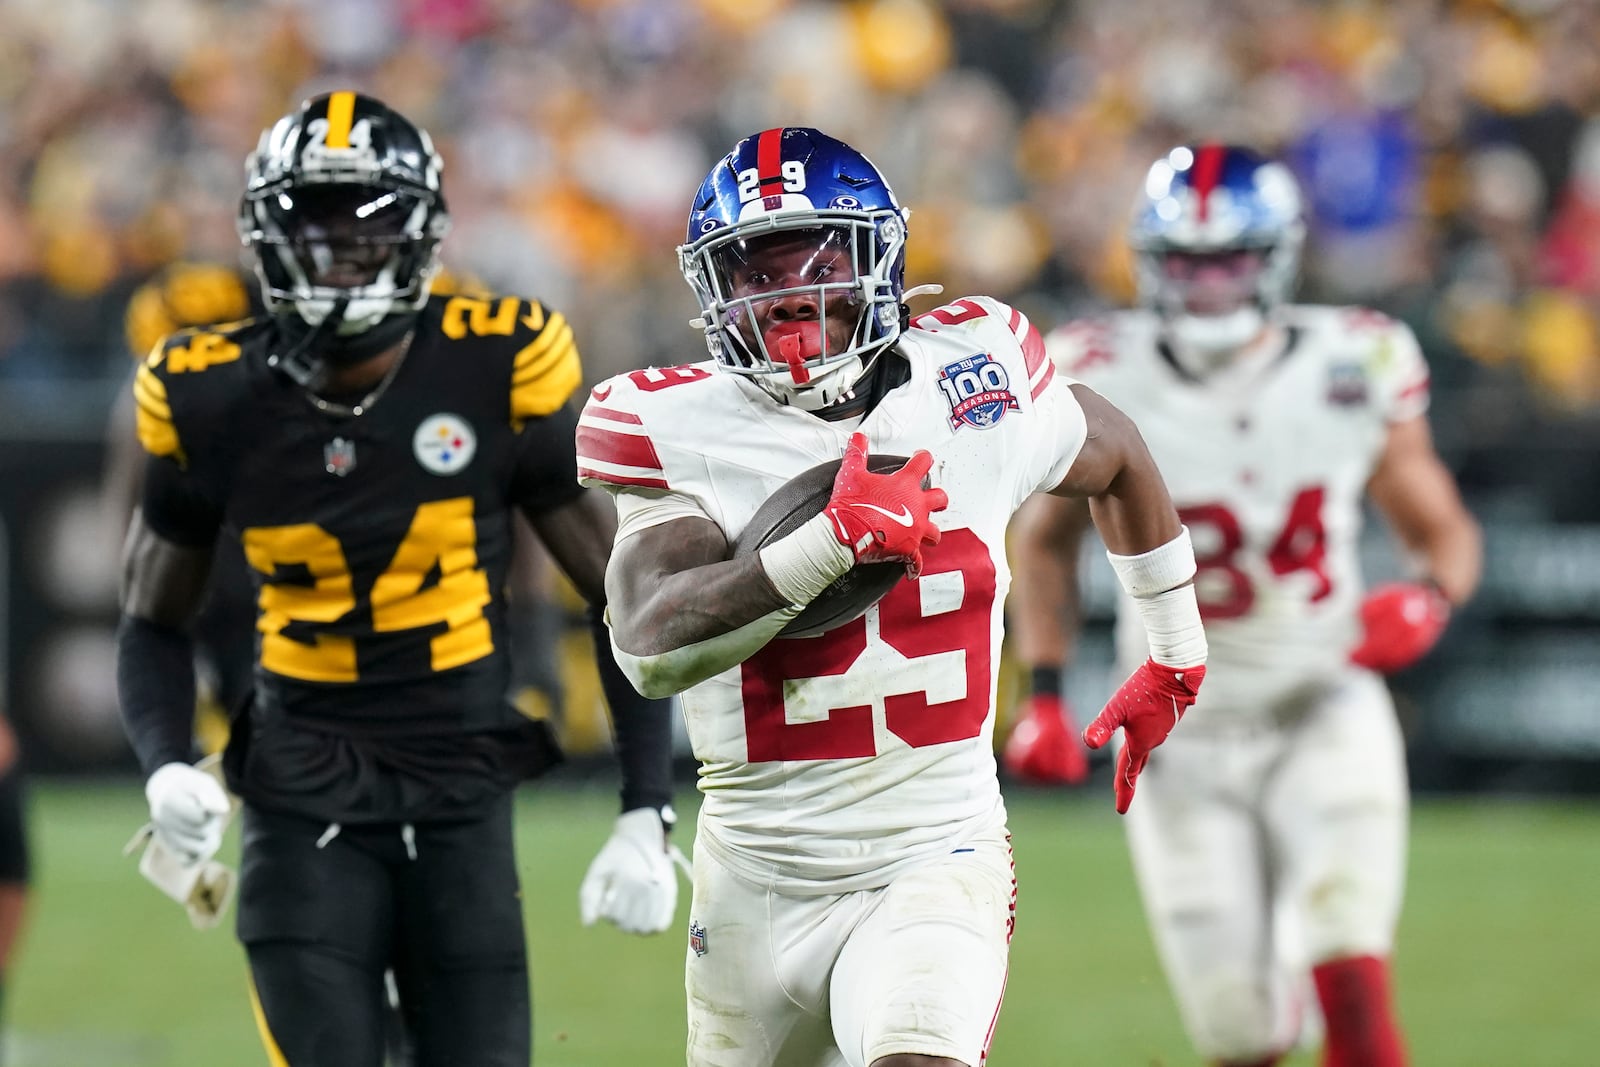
459 283
184 295
614 445
1395 361
996 326
176 360
545 369
1080 346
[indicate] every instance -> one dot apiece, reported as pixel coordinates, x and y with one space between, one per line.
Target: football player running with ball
854 891
367 443
1286 795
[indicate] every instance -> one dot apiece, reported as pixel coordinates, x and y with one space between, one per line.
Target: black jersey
379 542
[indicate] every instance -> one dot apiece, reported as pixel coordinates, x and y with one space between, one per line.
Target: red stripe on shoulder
1044 380
621 479
620 449
613 415
1414 389
1031 339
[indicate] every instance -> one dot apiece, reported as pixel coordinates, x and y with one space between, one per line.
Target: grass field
1499 961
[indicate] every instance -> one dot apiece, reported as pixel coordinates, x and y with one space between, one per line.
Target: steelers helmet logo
444 444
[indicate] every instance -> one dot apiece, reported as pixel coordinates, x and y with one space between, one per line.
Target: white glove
189 810
631 881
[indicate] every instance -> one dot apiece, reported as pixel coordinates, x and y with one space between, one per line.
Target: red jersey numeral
846 732
953 314
1303 543
1225 591
652 379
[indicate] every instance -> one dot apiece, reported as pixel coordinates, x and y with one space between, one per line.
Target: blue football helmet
798 189
1228 207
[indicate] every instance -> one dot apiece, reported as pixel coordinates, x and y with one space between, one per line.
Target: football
797 500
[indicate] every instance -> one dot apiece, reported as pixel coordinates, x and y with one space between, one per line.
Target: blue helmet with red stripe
796 253
1217 208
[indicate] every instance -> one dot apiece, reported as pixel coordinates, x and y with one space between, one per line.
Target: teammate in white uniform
853 886
1285 793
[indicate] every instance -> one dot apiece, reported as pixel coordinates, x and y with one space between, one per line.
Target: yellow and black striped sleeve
153 411
546 371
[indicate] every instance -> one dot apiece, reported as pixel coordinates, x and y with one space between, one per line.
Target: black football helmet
343 209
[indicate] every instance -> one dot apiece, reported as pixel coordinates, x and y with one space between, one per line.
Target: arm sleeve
176 507
546 472
643 728
155 688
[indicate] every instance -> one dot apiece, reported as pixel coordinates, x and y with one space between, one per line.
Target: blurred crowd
1450 150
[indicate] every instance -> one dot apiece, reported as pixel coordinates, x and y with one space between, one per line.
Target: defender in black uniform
367 444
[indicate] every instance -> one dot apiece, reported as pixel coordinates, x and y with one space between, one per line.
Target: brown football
797 500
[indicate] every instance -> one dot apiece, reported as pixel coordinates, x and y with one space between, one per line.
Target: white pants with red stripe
917 966
1263 849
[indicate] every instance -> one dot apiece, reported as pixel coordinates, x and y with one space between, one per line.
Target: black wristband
155 686
643 728
1045 681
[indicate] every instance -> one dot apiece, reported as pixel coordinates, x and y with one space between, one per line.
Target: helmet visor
341 236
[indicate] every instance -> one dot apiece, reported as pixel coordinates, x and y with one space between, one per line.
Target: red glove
1401 621
884 518
1043 746
1147 707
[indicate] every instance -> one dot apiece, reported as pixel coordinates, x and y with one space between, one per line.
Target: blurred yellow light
901 44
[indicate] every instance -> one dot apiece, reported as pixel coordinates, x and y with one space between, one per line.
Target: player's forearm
1044 604
1044 614
155 689
694 624
1453 555
675 669
643 729
694 605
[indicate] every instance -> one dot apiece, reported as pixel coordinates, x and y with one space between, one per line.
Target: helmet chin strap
300 363
315 347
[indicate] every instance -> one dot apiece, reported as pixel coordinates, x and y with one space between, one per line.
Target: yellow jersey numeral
442 538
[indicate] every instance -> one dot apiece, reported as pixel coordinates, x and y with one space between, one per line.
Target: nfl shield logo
697 937
339 456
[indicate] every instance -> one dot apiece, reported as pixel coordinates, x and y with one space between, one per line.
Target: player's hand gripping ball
798 500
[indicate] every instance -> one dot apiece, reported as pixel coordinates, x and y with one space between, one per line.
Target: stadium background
1451 155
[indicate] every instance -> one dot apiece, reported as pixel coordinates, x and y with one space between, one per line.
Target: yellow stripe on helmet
341 110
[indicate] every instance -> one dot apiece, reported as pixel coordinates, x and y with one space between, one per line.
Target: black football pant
324 912
14 862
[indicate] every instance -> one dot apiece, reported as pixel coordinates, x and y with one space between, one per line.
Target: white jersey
1268 463
830 763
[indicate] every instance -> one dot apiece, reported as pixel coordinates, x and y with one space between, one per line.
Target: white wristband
1167 606
1165 567
1172 625
807 561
